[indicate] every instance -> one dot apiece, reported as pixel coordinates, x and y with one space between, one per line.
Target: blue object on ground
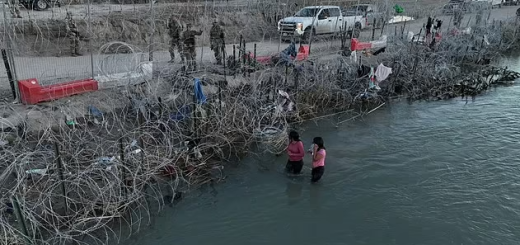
181 114
95 111
201 98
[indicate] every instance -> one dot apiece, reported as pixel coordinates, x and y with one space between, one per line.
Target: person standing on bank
296 153
318 159
73 34
189 47
174 30
217 41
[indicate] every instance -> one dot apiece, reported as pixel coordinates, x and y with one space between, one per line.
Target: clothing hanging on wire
382 72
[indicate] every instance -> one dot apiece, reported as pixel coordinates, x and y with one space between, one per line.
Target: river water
424 173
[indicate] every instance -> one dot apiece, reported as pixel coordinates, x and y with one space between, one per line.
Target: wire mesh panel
43 47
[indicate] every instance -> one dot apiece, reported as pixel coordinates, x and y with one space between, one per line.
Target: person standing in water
296 153
318 159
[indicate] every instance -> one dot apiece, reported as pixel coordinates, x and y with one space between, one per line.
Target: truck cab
315 20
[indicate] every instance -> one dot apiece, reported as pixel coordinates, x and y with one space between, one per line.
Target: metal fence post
21 219
89 28
9 73
60 174
10 53
152 33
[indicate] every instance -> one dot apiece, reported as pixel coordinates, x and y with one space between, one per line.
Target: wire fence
80 171
118 37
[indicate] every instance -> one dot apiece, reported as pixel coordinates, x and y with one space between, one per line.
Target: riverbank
115 169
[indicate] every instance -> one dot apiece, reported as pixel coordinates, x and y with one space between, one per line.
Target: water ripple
427 173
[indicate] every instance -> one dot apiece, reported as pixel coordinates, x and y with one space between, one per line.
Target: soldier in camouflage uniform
73 34
478 17
188 37
216 36
175 29
14 8
458 15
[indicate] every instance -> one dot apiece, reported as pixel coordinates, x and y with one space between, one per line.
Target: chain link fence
117 37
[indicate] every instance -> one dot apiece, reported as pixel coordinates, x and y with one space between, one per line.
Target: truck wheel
307 35
40 5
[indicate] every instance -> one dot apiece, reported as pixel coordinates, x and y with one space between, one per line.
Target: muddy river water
424 173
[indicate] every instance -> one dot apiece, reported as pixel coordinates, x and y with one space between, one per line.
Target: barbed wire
81 181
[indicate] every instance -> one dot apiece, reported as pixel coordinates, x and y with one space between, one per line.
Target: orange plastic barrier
31 92
303 53
263 59
355 44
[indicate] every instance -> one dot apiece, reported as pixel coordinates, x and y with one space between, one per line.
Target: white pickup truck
319 20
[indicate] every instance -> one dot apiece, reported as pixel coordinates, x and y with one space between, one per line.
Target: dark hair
319 142
293 135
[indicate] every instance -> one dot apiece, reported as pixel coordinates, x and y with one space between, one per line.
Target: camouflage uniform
14 8
73 34
217 41
188 37
175 41
478 17
458 15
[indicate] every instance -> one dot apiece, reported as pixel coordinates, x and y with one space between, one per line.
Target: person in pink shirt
318 159
296 153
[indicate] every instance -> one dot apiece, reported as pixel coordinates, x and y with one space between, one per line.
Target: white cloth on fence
382 72
353 56
286 104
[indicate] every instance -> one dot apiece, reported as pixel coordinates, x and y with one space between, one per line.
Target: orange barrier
303 54
31 92
355 44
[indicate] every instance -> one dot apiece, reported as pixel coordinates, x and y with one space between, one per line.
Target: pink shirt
321 162
295 151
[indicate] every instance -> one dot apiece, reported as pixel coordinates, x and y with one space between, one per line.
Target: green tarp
398 9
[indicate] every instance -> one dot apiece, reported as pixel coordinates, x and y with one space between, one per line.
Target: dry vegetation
84 198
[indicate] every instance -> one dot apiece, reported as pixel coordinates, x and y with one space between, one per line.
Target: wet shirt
321 162
296 148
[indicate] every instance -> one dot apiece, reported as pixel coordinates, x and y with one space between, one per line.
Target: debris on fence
95 112
286 104
399 19
181 114
38 171
199 94
106 162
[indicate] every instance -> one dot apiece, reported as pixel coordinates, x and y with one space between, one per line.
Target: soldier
457 17
73 34
175 42
478 17
14 8
217 41
188 37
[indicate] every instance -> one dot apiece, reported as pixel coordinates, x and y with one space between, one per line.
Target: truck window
307 12
324 14
334 12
